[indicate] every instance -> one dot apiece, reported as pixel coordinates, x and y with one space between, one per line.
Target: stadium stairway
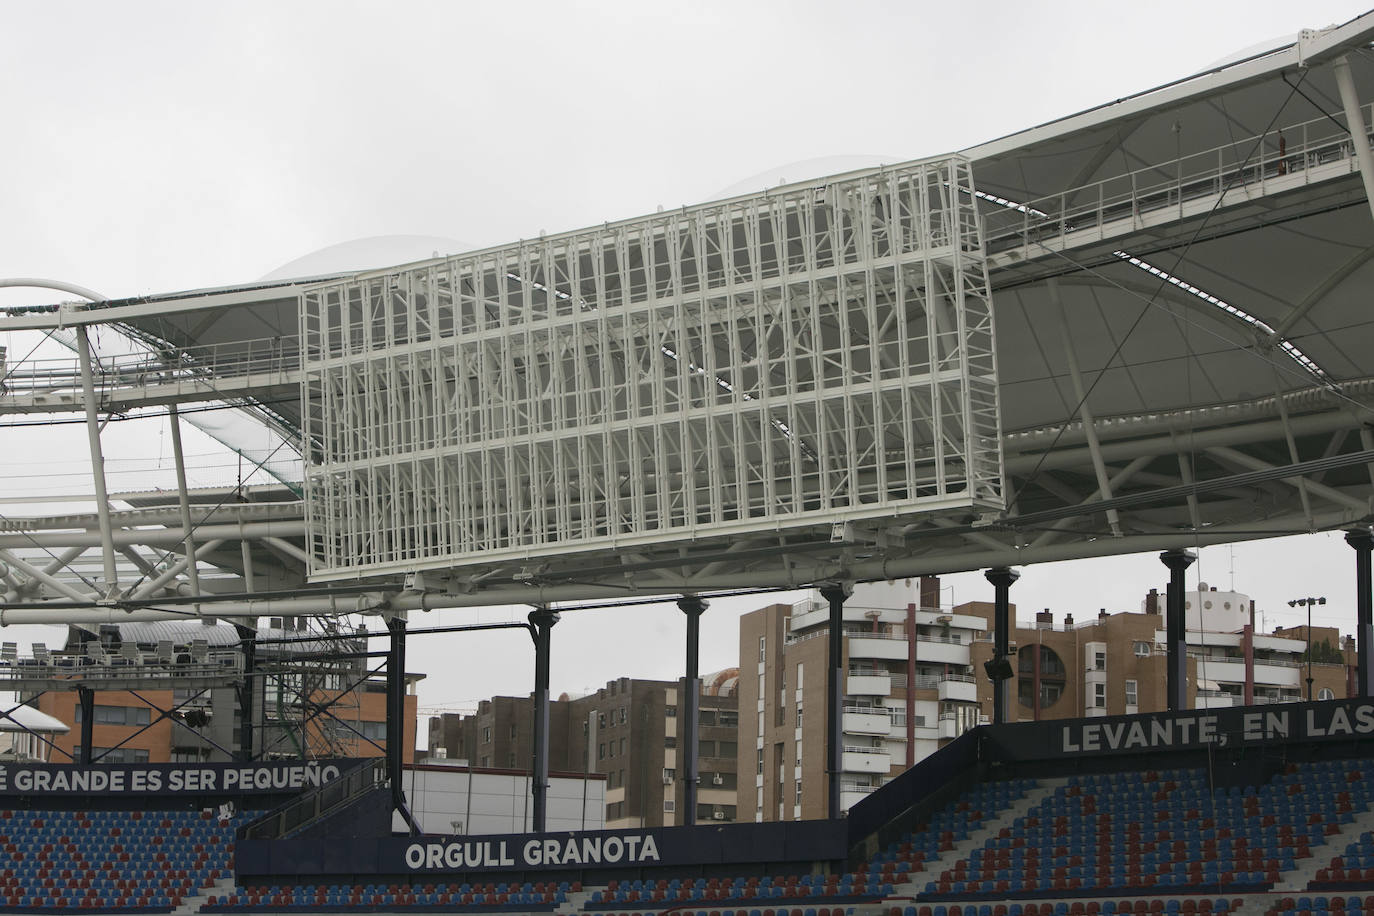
978 838
1298 878
191 905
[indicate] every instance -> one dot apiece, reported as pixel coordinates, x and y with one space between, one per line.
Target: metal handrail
312 805
1126 196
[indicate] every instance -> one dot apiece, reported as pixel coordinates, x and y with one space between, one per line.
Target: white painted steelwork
786 361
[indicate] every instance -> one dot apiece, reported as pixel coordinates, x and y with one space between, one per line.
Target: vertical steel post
1354 122
692 606
1176 628
542 620
85 696
836 594
184 501
395 718
248 644
1001 579
102 501
1363 542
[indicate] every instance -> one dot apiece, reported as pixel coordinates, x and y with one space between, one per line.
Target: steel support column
1359 130
395 718
542 620
1363 542
836 593
102 501
689 706
85 698
184 500
1176 629
1000 668
248 648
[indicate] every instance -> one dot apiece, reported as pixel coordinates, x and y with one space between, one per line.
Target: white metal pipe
288 548
102 502
34 572
183 498
166 537
148 589
1359 130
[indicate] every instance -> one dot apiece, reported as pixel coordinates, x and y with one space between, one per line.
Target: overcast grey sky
152 147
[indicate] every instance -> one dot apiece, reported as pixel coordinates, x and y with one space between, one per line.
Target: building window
622 747
798 792
1131 693
486 734
601 720
512 760
729 719
670 740
799 675
485 762
1141 648
706 749
512 730
728 749
119 755
799 716
117 715
759 769
1099 661
1326 694
763 648
601 751
624 716
1100 696
669 804
670 712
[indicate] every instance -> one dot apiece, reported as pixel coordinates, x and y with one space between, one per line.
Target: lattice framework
813 355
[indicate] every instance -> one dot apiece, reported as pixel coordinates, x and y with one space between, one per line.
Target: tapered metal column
184 500
85 696
248 648
1363 542
999 669
542 619
836 594
395 717
1176 629
1354 122
692 606
102 502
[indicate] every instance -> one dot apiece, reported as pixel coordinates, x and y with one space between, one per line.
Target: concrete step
991 827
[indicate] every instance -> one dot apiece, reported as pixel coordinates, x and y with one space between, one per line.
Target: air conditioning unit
718 779
718 815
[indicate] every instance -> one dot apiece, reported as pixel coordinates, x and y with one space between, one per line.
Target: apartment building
914 679
626 731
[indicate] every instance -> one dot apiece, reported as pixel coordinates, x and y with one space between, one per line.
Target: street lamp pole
1308 602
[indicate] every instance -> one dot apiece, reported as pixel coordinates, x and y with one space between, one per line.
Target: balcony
853 793
876 645
962 687
868 685
858 759
860 720
942 649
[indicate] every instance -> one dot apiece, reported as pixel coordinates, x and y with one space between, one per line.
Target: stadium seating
1143 843
126 861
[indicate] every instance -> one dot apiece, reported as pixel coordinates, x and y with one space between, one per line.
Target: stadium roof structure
1184 356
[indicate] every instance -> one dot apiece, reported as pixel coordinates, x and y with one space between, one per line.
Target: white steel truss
783 361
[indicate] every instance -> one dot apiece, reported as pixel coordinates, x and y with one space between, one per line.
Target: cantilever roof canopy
1185 353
